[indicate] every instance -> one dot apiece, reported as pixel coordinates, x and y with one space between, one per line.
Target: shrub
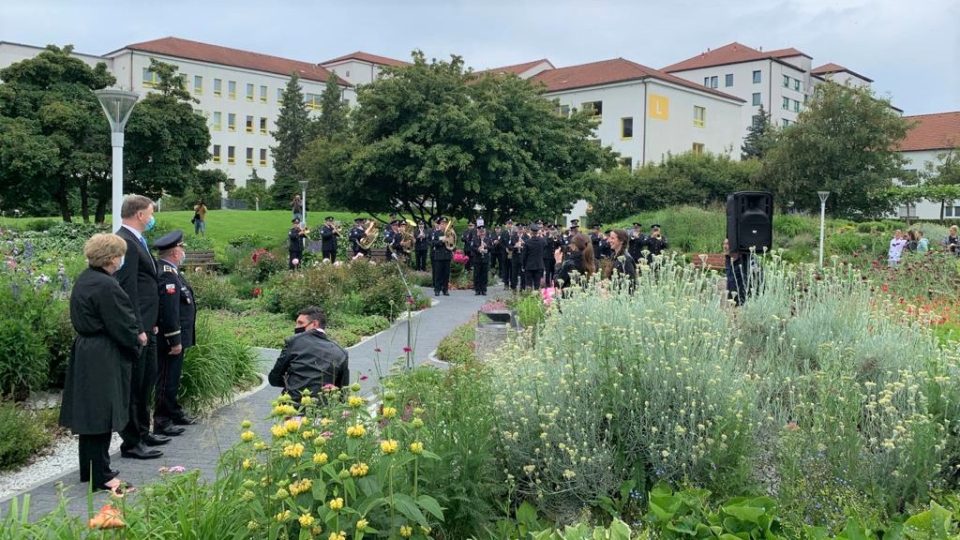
459 347
216 366
28 316
22 434
212 291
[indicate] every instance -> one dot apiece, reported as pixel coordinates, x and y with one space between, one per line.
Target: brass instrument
337 227
369 236
450 236
483 246
406 241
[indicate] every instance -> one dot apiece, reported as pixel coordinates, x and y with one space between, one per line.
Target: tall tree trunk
63 202
84 200
103 197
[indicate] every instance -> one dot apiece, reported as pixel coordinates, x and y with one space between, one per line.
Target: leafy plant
216 366
22 434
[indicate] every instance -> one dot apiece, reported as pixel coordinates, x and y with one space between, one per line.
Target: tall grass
216 366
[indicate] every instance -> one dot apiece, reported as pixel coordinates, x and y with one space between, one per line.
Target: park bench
205 260
708 261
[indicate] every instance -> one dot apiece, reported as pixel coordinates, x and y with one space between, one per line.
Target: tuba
450 236
407 240
369 236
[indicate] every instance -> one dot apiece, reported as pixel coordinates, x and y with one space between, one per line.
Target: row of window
951 211
790 105
626 123
249 126
713 81
232 155
789 82
251 93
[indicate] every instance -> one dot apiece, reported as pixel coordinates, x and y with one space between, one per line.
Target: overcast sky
910 48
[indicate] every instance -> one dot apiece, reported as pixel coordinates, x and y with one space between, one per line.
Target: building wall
11 53
843 77
917 162
355 72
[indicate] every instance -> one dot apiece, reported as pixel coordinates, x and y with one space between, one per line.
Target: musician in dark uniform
421 245
515 248
481 249
550 243
442 256
637 242
328 239
467 239
295 238
178 316
355 235
533 257
389 237
507 254
599 243
571 232
656 242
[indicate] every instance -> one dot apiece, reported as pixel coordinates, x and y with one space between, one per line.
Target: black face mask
299 329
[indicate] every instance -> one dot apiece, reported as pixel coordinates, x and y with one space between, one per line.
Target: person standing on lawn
309 359
200 218
442 256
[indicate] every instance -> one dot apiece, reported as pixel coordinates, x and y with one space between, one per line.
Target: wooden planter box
204 260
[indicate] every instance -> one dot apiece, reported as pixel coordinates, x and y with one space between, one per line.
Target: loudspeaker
750 221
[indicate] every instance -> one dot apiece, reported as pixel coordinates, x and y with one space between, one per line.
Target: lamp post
823 209
303 187
117 104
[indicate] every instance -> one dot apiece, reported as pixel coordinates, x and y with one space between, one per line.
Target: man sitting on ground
309 359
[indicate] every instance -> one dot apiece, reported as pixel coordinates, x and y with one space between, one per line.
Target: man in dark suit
138 277
442 256
328 239
177 323
533 257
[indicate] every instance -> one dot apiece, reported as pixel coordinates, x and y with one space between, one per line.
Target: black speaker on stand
750 221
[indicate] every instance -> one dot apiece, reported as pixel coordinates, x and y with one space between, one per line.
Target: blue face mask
150 224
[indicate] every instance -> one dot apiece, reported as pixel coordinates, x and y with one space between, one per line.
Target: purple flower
407 349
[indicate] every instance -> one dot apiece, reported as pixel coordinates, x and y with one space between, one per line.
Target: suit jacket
138 278
533 253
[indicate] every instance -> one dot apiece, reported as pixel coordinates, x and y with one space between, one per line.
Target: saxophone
369 236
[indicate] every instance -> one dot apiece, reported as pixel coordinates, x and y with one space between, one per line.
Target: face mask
150 224
299 329
121 262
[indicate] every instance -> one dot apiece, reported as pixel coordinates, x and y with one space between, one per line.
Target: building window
786 81
150 78
216 153
231 122
785 122
217 87
563 110
312 101
263 93
697 149
756 76
786 104
756 120
626 163
626 128
947 211
593 108
706 82
197 85
279 95
231 155
796 106
728 79
217 120
263 157
249 124
714 81
796 84
249 156
263 125
756 99
699 116
249 91
232 89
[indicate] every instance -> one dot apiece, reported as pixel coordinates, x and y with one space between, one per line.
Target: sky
910 48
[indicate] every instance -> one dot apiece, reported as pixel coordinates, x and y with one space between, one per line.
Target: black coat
296 240
178 309
440 251
474 246
572 263
328 238
310 360
422 239
533 249
96 395
138 278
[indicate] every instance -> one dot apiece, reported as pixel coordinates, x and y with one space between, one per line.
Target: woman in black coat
96 395
579 259
623 263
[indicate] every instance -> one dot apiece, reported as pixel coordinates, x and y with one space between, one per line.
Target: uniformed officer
295 237
442 256
328 239
356 234
177 323
656 242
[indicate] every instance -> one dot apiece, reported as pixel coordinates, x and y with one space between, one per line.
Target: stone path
200 447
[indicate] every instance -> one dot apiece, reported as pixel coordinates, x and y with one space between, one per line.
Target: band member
550 243
571 232
656 242
638 241
599 242
481 249
506 249
442 255
389 240
515 251
421 245
328 239
533 257
295 236
496 259
355 235
467 238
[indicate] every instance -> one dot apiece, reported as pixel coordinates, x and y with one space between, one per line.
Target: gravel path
200 447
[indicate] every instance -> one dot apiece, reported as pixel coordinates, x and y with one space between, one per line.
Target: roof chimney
760 48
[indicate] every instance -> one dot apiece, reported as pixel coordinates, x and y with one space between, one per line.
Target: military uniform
442 257
295 236
178 315
355 236
421 246
481 261
328 240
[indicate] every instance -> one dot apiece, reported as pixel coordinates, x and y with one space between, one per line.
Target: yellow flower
292 426
320 459
247 464
308 434
356 402
307 400
253 525
281 493
359 470
389 412
246 424
362 525
406 531
389 446
293 450
247 436
282 516
337 536
260 446
284 410
278 430
325 422
306 520
336 504
356 431
416 447
320 440
301 486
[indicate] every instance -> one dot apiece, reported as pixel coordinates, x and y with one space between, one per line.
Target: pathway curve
200 447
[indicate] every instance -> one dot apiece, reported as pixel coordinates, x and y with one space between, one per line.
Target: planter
493 327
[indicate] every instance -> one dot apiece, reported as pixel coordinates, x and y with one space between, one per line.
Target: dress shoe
140 452
445 293
168 430
185 420
154 439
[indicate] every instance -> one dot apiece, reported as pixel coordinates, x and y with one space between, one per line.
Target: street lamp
303 186
823 209
117 104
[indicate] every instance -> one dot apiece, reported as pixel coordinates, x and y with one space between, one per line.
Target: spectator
897 243
297 207
952 242
912 240
309 359
623 263
922 244
200 218
579 260
96 395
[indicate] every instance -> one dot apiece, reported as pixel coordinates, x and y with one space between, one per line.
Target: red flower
407 349
257 291
885 287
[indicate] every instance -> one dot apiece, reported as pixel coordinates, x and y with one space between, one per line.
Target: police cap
169 240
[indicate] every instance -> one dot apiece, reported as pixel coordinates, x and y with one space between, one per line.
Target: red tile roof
225 56
938 131
612 71
369 58
830 68
733 53
516 69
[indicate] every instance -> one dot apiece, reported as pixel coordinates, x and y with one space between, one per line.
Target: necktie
144 242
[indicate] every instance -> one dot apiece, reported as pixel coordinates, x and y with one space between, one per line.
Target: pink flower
410 300
548 294
329 387
327 434
363 378
407 349
346 414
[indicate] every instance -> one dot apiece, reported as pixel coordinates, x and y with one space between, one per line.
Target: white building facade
929 141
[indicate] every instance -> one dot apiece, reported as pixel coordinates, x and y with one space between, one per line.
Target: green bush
459 346
216 366
530 309
22 434
212 291
28 317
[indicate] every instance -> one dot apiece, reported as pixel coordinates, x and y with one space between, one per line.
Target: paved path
200 447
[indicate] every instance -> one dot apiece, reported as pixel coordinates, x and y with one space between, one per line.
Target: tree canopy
291 135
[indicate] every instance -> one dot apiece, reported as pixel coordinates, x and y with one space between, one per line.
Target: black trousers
95 459
516 275
296 255
549 265
441 276
170 370
332 255
421 260
481 275
143 378
533 279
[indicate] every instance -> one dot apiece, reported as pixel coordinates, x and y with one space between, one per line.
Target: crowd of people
913 241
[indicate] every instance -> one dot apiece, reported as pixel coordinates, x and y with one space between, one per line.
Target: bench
205 260
709 261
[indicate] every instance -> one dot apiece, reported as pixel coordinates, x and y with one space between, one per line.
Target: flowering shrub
263 264
335 468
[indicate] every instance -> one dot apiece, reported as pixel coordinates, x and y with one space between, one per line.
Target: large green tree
845 142
944 172
430 138
54 138
292 135
760 136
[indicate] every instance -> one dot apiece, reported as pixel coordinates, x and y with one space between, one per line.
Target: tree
55 137
760 136
845 142
430 139
293 125
945 173
333 120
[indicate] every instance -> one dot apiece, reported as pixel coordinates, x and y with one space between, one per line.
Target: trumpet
337 227
483 246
